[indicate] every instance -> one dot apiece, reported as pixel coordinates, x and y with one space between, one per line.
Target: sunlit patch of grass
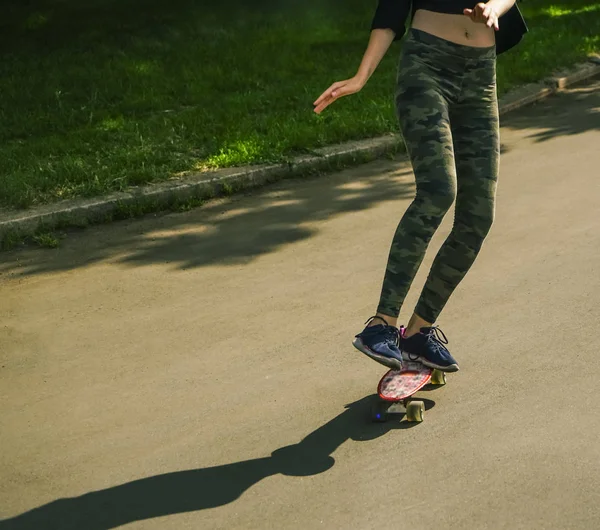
235 154
558 11
120 94
112 124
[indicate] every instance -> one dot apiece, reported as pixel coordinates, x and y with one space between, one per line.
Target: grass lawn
101 95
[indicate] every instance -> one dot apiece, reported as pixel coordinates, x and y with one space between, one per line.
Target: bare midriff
459 29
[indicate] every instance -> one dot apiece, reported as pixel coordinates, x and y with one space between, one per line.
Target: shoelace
435 334
391 332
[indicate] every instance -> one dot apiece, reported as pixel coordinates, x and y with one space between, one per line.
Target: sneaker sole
429 364
394 364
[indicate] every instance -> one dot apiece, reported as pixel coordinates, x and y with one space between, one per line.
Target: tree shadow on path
574 111
233 233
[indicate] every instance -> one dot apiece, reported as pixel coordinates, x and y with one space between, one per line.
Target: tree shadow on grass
200 489
53 24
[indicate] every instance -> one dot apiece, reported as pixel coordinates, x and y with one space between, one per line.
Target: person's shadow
199 489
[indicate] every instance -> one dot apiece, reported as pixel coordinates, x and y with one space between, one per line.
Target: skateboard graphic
398 386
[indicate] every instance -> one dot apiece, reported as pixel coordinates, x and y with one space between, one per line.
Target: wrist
500 6
362 77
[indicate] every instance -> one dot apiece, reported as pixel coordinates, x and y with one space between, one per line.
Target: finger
326 102
323 106
338 93
328 92
319 107
496 25
324 95
320 98
471 13
492 19
342 90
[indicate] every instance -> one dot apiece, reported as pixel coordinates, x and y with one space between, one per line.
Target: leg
428 80
475 131
424 120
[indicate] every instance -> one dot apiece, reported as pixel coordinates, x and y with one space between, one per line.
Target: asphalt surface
195 370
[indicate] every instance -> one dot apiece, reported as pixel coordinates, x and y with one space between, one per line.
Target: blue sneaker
381 344
428 348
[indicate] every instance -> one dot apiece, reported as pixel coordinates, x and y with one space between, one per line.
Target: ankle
380 319
409 332
414 326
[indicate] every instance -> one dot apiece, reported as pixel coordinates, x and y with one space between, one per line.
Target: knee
484 224
472 230
435 201
481 219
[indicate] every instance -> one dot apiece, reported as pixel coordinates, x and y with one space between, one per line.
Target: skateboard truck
396 388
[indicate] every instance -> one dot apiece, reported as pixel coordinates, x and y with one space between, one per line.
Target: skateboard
396 388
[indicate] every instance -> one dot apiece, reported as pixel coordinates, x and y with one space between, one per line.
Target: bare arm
379 42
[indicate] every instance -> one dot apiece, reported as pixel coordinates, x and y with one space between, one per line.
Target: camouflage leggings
448 113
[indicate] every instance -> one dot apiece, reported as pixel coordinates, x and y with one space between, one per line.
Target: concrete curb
208 185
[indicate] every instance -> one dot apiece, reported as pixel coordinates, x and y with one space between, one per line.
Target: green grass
47 240
102 95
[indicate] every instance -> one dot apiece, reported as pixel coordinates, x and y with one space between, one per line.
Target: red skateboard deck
399 385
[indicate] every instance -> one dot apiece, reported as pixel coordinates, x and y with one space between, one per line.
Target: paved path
195 370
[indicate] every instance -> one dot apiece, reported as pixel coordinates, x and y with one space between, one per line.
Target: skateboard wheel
415 411
438 378
379 412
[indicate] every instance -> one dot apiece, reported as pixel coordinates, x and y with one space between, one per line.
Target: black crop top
393 14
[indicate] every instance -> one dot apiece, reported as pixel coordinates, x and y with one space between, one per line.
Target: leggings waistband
447 47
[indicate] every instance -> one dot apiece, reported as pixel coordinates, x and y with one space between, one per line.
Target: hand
484 13
336 91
